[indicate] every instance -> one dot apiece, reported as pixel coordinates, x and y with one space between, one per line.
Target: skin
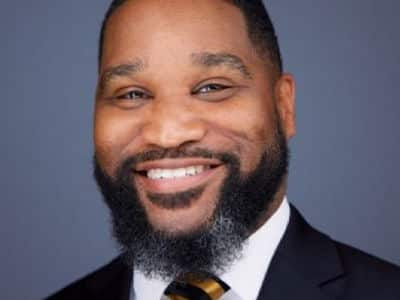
179 101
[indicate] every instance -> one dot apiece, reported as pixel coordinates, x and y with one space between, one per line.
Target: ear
285 95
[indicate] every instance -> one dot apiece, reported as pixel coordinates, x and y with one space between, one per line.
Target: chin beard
215 244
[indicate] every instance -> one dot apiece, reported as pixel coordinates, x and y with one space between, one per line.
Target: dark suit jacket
307 265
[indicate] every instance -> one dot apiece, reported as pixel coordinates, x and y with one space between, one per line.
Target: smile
176 175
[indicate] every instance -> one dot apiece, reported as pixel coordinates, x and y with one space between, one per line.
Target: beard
212 247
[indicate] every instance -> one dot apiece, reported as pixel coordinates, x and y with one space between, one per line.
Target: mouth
175 175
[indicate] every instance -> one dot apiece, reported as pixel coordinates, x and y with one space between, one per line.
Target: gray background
345 163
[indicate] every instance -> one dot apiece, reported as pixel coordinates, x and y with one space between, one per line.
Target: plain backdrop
345 55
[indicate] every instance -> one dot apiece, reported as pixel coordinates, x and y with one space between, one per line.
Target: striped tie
190 288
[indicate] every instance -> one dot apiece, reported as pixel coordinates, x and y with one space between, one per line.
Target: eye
212 91
130 98
211 88
134 95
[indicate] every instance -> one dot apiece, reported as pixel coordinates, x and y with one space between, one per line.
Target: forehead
166 29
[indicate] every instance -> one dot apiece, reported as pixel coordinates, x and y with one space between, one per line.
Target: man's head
192 120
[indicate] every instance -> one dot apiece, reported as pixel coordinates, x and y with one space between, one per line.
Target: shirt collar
257 255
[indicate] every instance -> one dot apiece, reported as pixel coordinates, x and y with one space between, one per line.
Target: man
192 119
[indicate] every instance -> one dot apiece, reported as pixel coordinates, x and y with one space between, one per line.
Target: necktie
191 288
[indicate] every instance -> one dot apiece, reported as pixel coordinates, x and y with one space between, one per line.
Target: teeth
176 173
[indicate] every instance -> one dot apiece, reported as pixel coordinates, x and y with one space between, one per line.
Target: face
180 86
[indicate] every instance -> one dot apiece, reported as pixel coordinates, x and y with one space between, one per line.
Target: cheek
248 124
113 132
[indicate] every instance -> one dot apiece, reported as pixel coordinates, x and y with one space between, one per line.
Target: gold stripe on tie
210 286
176 297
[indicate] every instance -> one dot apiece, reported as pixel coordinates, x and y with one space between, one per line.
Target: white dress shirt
246 275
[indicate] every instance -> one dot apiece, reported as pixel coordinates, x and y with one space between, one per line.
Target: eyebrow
208 59
122 70
205 59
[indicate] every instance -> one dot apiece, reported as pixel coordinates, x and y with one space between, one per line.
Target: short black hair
260 29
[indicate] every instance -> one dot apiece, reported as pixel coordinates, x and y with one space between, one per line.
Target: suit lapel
305 266
114 282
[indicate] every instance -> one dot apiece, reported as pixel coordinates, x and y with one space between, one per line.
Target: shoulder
338 269
366 276
364 269
358 260
112 274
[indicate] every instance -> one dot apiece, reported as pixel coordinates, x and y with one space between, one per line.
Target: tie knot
191 287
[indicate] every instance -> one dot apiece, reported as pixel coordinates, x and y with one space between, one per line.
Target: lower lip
174 185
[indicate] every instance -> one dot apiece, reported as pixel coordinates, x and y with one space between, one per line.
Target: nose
173 124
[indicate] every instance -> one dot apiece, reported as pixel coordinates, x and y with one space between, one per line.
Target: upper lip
176 163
